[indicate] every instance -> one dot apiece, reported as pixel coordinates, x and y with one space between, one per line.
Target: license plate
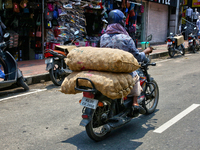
169 43
49 60
89 103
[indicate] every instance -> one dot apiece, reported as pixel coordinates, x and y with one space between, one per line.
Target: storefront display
20 18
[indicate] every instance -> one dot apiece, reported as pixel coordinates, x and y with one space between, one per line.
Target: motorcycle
56 66
101 115
10 73
175 44
193 44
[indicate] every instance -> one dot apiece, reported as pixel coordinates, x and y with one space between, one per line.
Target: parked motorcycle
175 44
56 66
193 43
11 73
101 114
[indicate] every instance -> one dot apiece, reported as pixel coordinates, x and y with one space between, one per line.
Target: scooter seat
60 52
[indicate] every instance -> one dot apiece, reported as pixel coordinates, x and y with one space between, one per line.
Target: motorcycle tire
22 83
54 74
183 50
95 128
151 97
193 49
171 52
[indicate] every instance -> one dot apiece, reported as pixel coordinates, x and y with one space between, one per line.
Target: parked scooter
193 43
56 66
101 114
175 44
11 73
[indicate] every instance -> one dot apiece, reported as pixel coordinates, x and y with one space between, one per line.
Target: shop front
23 19
160 19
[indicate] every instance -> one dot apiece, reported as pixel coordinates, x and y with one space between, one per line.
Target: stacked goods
110 75
101 59
112 85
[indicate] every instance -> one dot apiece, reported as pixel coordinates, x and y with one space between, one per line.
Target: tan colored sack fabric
180 40
112 85
101 59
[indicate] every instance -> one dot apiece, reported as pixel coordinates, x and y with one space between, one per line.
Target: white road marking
176 118
28 93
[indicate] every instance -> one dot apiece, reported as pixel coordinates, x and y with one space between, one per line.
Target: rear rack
83 88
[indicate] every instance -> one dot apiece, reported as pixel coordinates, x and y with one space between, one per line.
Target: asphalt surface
49 119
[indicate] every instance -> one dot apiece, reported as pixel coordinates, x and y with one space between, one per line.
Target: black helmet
116 16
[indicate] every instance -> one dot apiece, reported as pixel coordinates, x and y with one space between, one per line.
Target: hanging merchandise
39 32
23 3
38 21
55 12
50 6
38 5
26 10
16 7
48 15
48 24
59 11
32 32
8 4
142 9
55 22
38 44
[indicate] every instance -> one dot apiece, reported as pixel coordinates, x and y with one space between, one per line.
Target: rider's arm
140 56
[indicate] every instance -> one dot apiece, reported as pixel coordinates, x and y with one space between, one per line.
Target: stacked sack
107 68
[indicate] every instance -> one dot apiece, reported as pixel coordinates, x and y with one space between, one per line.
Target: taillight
169 40
189 38
88 94
85 116
47 54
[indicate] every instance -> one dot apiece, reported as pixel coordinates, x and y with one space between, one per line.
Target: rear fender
89 112
49 66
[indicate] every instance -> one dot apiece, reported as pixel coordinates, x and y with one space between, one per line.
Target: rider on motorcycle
117 37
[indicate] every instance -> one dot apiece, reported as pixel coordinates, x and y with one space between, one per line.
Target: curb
40 78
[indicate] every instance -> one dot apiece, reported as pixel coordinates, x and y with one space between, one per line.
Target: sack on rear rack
101 59
112 85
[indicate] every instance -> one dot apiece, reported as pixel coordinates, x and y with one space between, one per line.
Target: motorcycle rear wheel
171 52
95 128
151 97
54 74
183 50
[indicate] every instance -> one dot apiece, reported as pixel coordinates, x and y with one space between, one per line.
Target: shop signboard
165 2
195 3
185 2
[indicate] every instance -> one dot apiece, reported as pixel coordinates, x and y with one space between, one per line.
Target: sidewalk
35 70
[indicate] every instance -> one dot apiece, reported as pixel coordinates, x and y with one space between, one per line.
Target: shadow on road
125 137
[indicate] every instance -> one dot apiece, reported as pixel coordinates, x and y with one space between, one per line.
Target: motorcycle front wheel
171 51
54 73
151 97
96 128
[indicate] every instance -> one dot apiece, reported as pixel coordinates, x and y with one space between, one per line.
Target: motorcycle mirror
149 37
6 37
76 33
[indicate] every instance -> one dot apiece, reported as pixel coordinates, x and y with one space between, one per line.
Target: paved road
49 120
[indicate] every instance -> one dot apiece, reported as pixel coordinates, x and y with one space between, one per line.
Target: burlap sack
112 85
101 59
